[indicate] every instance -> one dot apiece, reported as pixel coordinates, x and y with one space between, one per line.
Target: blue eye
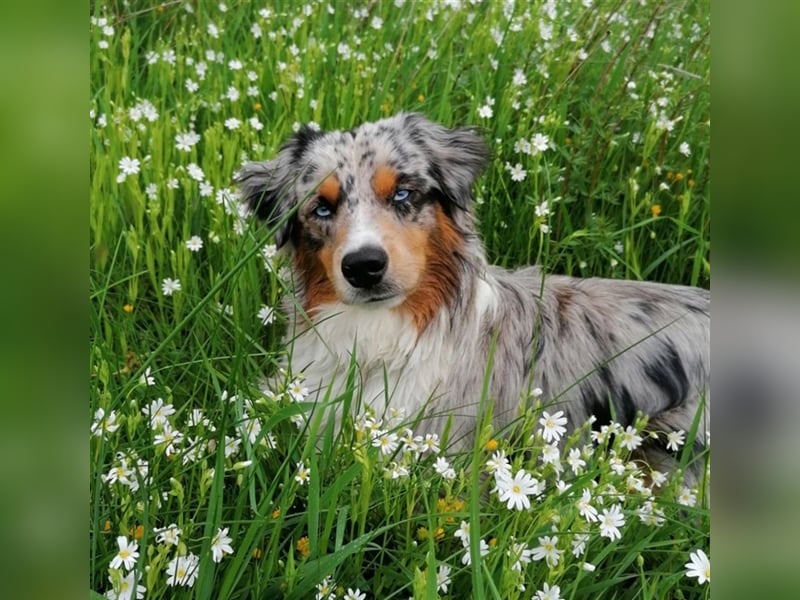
323 211
401 196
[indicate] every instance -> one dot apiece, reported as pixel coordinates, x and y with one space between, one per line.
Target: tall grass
621 92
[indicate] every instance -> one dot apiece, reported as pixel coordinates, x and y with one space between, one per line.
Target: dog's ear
268 187
456 157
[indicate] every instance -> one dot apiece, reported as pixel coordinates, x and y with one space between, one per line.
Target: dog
390 272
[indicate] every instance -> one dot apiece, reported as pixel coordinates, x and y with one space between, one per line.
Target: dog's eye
323 211
401 196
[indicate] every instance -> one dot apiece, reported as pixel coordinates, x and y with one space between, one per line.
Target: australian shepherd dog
390 273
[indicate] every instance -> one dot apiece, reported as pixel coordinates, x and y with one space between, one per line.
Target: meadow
204 484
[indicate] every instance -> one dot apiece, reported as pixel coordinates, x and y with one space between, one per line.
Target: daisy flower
553 426
548 593
303 473
547 550
127 554
125 589
169 286
585 507
443 468
675 439
169 535
183 570
221 545
515 490
266 314
699 566
630 439
442 578
194 243
610 522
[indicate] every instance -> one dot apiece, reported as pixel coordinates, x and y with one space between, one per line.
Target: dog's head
376 215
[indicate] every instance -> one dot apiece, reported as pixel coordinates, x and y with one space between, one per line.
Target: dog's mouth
379 297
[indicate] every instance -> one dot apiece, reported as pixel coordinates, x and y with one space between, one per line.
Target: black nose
365 267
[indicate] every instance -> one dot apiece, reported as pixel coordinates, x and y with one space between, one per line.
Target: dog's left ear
456 156
268 187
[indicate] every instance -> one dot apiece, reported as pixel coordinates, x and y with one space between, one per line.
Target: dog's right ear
268 187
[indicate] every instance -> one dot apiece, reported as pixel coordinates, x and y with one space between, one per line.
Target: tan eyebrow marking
384 181
329 189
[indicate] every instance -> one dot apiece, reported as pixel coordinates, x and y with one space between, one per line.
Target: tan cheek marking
316 270
440 279
384 181
329 189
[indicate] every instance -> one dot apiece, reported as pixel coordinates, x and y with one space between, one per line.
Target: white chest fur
387 349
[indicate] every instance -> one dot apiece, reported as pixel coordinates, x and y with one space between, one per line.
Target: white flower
467 558
127 166
232 124
553 426
354 594
256 124
443 468
542 210
499 464
376 23
463 533
685 149
515 490
266 314
104 423
430 444
675 439
221 545
158 413
185 141
585 507
485 112
183 570
547 550
650 515
551 455
303 473
520 554
630 439
442 578
687 497
548 593
326 589
610 522
517 173
170 437
232 94
297 392
395 471
127 554
519 78
579 544
169 535
540 143
699 566
195 172
194 243
125 589
575 462
169 286
387 442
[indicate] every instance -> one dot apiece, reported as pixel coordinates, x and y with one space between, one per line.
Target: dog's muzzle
365 267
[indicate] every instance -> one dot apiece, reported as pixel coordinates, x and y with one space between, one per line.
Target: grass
617 88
